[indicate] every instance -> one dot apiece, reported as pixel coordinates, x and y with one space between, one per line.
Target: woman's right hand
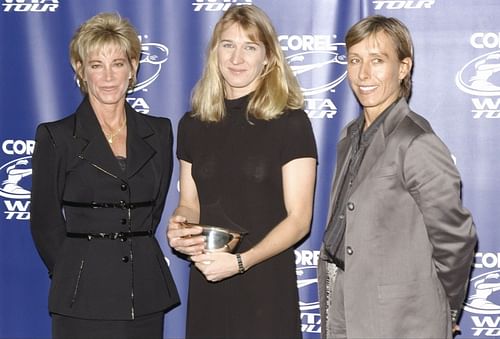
186 240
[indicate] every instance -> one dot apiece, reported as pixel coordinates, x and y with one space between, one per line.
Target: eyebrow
244 42
98 60
370 54
379 53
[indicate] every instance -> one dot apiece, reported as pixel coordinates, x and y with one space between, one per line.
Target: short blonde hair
278 89
99 31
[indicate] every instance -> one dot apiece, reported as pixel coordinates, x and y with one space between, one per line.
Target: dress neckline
238 103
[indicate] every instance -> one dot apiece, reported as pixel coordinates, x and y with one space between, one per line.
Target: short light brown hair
395 30
99 31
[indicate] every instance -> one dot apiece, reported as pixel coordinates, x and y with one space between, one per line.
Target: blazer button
350 206
123 187
349 250
125 259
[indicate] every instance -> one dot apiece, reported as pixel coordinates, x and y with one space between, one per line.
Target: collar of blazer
94 148
375 149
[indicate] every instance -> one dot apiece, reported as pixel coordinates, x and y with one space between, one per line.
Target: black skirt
145 327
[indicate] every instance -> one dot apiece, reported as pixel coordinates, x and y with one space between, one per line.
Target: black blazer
96 278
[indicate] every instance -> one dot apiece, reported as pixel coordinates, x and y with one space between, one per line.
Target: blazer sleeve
48 226
434 182
165 147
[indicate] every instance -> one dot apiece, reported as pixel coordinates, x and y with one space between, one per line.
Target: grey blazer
409 241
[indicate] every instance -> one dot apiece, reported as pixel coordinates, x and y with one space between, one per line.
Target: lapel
343 155
94 148
139 147
378 145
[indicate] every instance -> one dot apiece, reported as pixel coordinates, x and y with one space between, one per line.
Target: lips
109 89
367 89
236 71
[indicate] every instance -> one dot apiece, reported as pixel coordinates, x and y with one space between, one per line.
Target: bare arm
179 237
299 177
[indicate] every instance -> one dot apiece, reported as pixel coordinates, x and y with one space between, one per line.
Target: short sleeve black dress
236 165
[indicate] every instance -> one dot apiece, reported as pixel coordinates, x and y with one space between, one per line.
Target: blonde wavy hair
102 30
277 90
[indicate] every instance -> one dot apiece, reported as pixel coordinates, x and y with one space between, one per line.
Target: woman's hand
185 239
216 266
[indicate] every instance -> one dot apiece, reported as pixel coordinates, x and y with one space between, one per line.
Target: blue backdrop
456 87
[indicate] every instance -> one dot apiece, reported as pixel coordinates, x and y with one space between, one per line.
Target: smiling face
107 72
375 72
240 61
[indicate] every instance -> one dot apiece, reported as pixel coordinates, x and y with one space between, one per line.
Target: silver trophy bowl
219 239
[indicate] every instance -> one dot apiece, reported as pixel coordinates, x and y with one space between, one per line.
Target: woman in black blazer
100 179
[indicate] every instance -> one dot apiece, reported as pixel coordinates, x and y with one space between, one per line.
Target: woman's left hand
216 266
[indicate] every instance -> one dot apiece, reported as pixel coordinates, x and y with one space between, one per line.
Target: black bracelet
241 268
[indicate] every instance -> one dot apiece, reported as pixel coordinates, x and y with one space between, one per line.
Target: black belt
111 236
121 204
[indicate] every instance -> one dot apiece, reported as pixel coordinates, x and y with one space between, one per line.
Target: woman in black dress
100 179
248 162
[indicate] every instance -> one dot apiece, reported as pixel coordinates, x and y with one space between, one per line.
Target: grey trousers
331 296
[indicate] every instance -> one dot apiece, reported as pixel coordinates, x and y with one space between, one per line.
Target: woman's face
107 73
375 72
241 61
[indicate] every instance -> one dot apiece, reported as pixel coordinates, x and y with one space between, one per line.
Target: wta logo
308 66
153 57
320 65
14 173
15 179
485 297
307 282
481 76
484 302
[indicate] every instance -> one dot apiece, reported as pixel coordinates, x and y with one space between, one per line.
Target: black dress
236 166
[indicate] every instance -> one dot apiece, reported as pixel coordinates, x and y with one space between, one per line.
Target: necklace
110 137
